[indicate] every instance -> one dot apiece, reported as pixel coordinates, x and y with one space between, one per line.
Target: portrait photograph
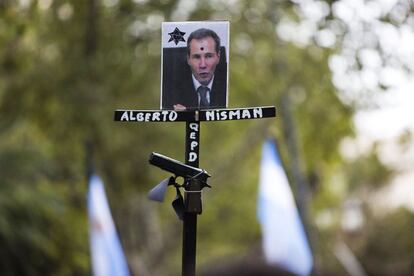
194 65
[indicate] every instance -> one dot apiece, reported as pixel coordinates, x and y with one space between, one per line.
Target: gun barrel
176 167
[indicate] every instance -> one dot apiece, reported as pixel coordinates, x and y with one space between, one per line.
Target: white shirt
197 84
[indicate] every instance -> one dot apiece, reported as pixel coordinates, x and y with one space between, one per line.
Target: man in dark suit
200 85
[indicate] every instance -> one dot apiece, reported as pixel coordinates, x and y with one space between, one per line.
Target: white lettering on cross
257 113
125 116
194 126
140 116
234 113
210 115
246 114
193 143
155 116
173 116
192 157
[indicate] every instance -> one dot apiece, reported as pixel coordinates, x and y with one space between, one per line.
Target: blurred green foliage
65 66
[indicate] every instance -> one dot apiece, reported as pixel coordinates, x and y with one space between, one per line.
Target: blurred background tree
66 65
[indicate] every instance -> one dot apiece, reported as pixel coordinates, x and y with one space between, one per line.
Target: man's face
203 59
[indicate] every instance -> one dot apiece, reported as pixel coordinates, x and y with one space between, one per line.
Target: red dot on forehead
202 48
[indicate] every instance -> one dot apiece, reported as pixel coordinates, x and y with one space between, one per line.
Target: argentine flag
283 237
107 256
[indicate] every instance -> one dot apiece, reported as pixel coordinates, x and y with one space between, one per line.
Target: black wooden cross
192 118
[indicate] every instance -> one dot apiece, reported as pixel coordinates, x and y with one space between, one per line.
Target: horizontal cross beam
206 115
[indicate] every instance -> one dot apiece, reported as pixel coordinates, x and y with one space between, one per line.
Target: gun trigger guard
205 185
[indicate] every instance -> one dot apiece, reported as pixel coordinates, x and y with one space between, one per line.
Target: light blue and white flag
283 237
107 256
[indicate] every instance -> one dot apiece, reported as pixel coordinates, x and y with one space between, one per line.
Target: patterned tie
202 91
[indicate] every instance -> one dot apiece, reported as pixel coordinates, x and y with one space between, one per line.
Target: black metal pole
190 218
189 244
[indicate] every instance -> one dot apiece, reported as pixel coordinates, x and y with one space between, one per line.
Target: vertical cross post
192 197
